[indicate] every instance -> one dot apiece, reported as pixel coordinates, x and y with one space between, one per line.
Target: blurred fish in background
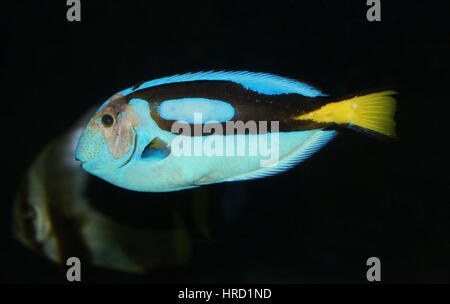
61 211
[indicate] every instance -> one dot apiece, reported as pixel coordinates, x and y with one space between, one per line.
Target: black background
319 222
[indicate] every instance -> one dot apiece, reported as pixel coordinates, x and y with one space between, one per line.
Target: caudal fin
372 113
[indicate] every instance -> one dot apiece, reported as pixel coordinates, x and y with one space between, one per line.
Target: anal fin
304 151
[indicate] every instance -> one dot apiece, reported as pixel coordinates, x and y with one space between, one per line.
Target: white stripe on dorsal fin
260 82
305 150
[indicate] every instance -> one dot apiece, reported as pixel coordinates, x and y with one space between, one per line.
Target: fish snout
79 158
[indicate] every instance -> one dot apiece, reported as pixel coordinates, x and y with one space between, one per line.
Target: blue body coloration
147 171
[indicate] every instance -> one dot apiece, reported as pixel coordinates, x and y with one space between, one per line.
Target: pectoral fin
157 149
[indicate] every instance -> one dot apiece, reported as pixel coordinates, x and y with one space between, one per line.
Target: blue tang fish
195 129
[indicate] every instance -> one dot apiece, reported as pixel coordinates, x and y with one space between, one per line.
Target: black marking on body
248 104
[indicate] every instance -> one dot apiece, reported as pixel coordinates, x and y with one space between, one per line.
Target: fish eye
107 120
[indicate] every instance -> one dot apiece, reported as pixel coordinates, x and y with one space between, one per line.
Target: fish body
189 130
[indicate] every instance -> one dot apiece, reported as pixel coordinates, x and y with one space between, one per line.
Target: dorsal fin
260 82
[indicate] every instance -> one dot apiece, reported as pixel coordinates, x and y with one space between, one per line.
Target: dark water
319 222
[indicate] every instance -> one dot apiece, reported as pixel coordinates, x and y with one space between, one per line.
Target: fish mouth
134 150
80 160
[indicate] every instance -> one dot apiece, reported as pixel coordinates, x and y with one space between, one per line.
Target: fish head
109 140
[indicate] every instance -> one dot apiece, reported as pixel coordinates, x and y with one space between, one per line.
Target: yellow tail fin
373 112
